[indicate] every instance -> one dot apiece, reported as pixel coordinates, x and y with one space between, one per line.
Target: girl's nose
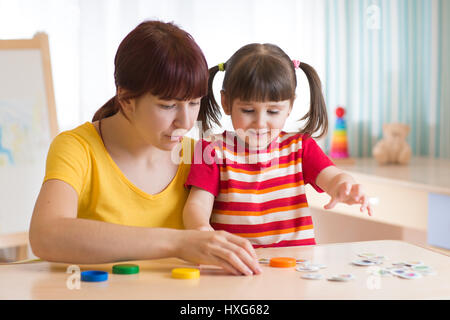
260 121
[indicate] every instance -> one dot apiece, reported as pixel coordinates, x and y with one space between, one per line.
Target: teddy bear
393 148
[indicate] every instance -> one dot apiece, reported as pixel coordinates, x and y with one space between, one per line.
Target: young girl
252 180
111 191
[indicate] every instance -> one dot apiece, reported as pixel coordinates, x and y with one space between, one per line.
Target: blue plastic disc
94 276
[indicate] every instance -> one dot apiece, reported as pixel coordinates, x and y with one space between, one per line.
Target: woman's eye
165 106
194 103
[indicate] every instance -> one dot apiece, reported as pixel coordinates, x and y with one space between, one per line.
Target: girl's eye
247 110
194 103
272 112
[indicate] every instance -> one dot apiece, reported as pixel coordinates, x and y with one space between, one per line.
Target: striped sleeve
314 161
204 172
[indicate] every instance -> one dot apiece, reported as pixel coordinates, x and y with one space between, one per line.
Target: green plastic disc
125 269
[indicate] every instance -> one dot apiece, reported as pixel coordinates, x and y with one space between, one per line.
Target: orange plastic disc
283 262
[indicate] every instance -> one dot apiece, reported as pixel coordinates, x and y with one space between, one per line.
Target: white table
44 280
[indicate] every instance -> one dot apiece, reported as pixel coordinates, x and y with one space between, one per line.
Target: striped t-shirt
260 194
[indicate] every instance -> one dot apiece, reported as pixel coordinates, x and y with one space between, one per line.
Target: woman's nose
182 119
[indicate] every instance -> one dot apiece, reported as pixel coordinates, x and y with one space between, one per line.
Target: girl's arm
197 209
342 188
57 235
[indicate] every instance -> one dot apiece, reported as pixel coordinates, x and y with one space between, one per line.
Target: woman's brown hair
264 72
161 59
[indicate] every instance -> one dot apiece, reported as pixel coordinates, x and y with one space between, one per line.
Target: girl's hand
233 253
350 194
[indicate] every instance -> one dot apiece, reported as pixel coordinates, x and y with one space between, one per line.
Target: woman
112 190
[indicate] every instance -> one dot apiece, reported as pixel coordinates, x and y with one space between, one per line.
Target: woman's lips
175 138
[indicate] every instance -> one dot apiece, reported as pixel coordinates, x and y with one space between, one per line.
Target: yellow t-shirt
79 158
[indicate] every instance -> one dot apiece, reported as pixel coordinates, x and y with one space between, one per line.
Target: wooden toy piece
339 143
185 273
283 262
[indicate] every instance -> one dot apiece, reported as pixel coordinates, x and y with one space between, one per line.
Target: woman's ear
225 105
127 105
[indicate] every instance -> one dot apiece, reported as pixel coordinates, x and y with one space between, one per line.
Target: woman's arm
197 210
342 188
56 234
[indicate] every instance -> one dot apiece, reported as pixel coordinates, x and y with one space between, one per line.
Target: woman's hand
349 193
233 253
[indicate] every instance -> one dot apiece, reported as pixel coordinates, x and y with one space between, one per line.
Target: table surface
432 175
44 280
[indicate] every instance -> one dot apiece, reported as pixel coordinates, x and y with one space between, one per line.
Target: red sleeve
204 172
314 160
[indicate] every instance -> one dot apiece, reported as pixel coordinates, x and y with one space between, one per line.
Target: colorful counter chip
94 276
185 273
125 269
283 262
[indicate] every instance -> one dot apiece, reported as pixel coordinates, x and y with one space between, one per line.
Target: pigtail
109 109
317 118
209 108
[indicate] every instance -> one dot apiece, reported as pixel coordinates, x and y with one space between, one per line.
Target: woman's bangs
182 81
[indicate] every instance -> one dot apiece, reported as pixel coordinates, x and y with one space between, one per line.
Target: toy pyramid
339 144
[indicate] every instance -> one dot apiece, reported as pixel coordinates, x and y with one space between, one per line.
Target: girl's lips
258 133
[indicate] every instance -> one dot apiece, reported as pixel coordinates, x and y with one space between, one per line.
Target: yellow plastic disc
185 273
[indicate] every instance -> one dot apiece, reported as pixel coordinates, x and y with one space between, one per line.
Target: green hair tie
221 66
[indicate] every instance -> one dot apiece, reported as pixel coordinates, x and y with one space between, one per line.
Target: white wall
84 36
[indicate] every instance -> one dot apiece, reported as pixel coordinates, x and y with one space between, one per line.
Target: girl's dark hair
161 59
263 72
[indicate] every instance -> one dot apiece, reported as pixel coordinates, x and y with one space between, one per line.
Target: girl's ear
225 105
